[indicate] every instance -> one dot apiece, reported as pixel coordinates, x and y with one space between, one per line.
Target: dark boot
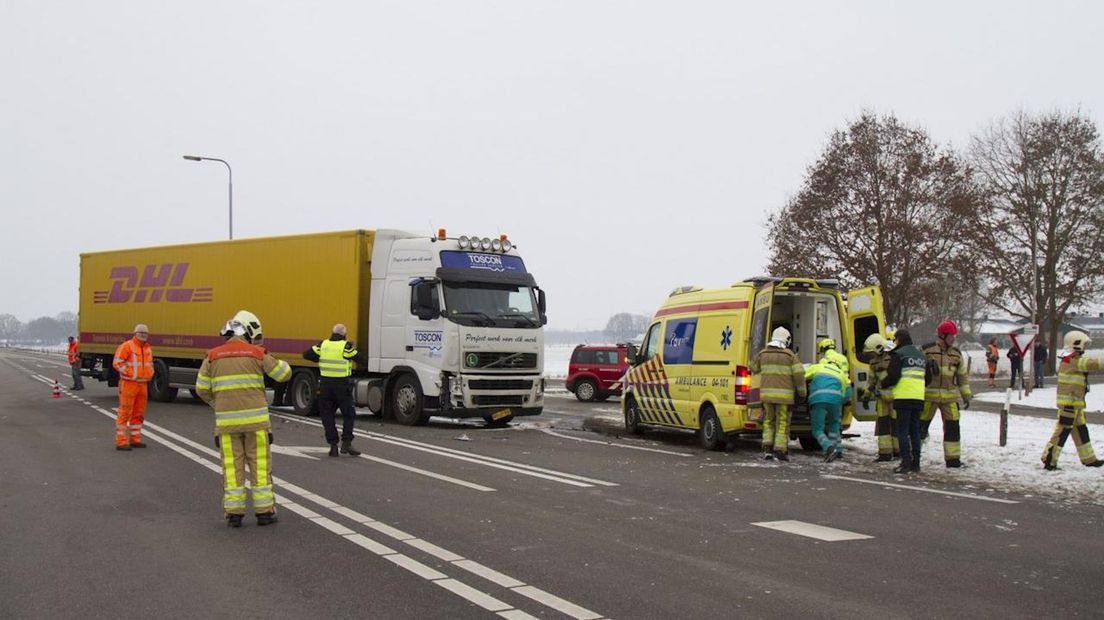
266 518
347 448
333 449
137 444
234 520
883 458
954 463
1096 463
903 468
781 456
125 447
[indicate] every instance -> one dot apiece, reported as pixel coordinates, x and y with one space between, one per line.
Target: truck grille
493 360
501 384
494 399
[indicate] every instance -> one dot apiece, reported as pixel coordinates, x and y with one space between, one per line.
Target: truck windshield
491 305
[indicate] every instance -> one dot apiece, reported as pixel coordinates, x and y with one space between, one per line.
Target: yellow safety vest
911 384
333 359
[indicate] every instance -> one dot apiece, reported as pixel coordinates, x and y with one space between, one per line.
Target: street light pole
231 183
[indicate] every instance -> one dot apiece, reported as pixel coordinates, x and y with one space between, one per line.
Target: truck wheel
304 392
406 402
159 389
809 444
585 390
632 417
711 435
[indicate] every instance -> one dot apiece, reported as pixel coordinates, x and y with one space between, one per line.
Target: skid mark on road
167 438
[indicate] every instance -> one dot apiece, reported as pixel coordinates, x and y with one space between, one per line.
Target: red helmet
947 328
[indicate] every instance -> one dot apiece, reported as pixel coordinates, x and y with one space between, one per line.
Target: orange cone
57 389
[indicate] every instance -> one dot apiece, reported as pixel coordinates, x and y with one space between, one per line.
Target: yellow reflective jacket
951 382
1073 380
231 379
781 375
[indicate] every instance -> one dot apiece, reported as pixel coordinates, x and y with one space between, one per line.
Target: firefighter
826 349
949 382
1073 382
134 363
829 389
73 354
876 353
231 379
905 380
333 357
782 377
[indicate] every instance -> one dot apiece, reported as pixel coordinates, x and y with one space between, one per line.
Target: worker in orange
134 363
75 364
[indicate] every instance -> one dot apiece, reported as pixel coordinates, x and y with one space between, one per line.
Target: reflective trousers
776 427
824 415
239 451
952 433
885 429
1070 421
132 412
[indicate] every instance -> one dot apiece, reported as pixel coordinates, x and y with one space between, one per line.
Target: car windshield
491 305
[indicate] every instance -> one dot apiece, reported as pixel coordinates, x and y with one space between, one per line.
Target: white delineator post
1004 417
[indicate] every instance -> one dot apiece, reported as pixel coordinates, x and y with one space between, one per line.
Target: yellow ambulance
691 371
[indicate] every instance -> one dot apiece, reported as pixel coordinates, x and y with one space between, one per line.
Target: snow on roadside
1045 398
1016 468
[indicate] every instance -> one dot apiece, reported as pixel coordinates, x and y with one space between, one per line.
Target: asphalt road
545 519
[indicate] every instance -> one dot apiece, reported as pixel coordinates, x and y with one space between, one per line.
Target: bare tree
623 326
1042 224
881 206
11 328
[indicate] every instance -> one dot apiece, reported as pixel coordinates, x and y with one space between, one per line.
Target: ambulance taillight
743 385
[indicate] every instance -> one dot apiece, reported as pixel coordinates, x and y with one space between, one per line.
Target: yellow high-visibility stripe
228 462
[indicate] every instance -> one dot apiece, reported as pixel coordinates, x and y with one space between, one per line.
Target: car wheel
586 390
711 435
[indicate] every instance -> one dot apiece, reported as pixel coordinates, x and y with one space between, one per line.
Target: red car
595 372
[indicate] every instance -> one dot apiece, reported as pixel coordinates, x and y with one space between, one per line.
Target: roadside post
1004 417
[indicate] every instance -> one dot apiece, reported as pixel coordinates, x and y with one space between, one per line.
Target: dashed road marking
925 490
812 530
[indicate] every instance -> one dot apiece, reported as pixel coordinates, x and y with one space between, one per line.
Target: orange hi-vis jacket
134 361
74 352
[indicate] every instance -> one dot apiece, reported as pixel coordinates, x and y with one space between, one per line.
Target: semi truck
449 326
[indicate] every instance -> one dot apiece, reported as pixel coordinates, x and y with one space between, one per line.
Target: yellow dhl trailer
691 371
444 326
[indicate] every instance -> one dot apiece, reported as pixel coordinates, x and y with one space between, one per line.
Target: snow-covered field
556 358
1045 398
1016 468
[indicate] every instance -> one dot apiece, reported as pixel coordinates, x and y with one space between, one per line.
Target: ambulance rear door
757 340
865 316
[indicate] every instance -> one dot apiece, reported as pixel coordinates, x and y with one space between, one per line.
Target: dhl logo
156 283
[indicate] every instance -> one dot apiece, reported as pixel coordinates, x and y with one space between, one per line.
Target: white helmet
874 344
781 334
1077 341
244 323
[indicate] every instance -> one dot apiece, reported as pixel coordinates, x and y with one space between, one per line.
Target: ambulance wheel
809 444
159 389
406 401
632 417
711 435
586 390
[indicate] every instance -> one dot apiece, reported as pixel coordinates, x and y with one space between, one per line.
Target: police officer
781 378
333 357
876 353
231 380
905 378
1073 380
949 382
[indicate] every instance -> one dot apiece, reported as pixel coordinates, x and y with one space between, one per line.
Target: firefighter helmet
781 334
947 328
874 344
244 323
1077 341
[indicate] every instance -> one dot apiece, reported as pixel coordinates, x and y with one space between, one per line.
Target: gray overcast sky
628 147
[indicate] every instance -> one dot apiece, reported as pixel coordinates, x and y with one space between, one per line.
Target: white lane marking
812 530
434 550
486 602
425 472
528 591
516 614
615 445
425 572
333 526
912 488
479 459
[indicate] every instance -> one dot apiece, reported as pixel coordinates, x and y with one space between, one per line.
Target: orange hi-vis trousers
132 412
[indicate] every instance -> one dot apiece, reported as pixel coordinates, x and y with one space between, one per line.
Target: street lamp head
193 158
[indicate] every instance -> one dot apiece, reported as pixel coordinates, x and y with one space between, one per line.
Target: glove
965 403
218 443
270 439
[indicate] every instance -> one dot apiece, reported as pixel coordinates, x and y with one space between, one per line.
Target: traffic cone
57 389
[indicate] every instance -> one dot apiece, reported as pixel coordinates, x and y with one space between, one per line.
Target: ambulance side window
651 343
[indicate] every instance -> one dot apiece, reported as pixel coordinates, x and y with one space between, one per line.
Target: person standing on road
75 364
1040 357
781 378
334 364
829 389
231 380
992 356
134 363
1017 364
949 382
905 379
1073 383
876 353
